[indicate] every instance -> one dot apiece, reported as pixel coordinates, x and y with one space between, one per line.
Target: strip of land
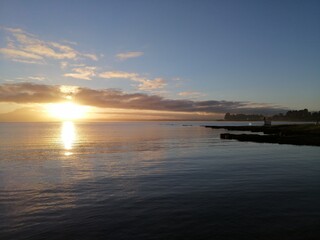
296 134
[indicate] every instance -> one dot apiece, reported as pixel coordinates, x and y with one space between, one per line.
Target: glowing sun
67 110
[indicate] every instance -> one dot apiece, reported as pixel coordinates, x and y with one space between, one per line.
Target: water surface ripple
153 181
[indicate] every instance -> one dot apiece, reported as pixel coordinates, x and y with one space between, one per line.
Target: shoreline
294 134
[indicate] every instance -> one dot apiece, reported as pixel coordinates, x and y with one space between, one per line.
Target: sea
153 180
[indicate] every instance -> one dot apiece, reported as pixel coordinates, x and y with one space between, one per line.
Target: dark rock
302 134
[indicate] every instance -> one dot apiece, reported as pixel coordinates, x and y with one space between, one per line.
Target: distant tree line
293 115
243 117
297 115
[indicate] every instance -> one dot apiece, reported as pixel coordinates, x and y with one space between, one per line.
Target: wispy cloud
13 30
119 74
18 54
91 56
23 46
36 78
70 42
145 84
64 65
127 55
110 98
191 94
28 48
85 73
28 61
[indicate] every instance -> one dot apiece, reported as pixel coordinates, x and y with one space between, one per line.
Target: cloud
118 74
91 56
37 78
28 48
156 83
68 89
30 93
27 61
13 30
110 98
144 83
51 52
70 42
85 73
64 65
17 54
191 94
127 55
23 46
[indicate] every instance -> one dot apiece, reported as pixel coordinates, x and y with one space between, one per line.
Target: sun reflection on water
68 135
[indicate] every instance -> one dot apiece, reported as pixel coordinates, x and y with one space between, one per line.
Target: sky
156 60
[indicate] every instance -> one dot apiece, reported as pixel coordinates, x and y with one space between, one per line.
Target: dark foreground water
153 181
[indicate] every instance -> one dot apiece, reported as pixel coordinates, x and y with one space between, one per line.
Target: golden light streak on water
68 135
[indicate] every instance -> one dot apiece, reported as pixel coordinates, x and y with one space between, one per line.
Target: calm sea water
153 181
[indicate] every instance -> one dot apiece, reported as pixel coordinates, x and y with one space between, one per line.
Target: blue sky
255 51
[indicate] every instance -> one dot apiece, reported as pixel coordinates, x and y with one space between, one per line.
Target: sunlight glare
67 110
68 136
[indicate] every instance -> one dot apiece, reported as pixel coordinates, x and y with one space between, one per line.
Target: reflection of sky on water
46 155
62 162
62 154
122 162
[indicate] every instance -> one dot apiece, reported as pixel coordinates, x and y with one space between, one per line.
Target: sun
67 111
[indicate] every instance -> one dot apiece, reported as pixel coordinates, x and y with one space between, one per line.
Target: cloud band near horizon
112 98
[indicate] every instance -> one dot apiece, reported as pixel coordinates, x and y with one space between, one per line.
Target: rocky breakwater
297 134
